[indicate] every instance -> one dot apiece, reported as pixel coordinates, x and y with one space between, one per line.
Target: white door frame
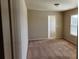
51 27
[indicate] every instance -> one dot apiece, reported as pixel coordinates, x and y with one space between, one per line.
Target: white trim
43 38
19 28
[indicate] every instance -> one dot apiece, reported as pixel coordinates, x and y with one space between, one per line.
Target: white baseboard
71 41
44 38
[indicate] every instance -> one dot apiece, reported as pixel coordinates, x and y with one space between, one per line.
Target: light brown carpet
51 49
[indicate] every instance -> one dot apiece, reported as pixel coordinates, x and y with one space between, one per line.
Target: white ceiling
48 5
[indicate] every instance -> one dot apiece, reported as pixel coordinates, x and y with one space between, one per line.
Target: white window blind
74 25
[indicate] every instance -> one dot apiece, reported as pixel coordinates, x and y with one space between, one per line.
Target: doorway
51 27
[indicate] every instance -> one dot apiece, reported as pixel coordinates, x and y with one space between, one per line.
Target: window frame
76 25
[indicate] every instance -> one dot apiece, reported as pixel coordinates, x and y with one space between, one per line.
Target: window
73 25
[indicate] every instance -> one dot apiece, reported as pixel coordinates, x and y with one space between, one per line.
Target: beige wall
19 28
67 18
38 24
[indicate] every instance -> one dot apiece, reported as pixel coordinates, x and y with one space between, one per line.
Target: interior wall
38 24
67 18
19 28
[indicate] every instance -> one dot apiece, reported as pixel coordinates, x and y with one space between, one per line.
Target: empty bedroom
52 29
